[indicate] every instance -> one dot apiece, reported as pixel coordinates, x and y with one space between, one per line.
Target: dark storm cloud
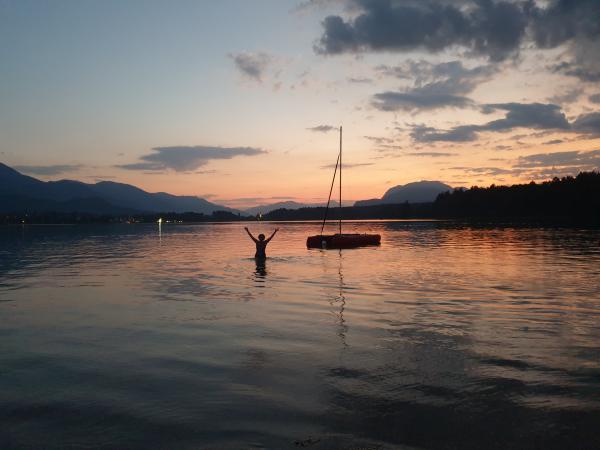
185 159
526 115
594 98
50 170
252 65
492 28
323 128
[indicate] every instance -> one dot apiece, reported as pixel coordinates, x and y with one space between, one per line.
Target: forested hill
576 198
568 200
564 200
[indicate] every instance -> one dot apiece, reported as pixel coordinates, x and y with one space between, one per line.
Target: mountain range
290 204
21 193
417 192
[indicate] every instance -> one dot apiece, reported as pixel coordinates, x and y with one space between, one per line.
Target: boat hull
334 241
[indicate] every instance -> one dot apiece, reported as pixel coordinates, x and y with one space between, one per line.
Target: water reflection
446 336
338 301
261 270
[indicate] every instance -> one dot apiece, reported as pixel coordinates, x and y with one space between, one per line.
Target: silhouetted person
261 243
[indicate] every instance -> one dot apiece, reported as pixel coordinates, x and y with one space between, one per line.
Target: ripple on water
444 337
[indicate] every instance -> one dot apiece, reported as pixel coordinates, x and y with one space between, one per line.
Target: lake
447 336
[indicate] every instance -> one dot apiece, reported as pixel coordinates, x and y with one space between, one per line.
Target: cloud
567 97
493 29
346 165
465 133
185 159
496 29
259 199
323 128
553 142
315 4
379 140
528 115
417 99
252 65
518 115
583 160
575 24
563 20
461 80
50 170
436 85
492 171
580 70
588 124
431 154
359 80
542 165
103 178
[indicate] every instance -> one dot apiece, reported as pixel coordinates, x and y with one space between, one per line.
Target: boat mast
340 180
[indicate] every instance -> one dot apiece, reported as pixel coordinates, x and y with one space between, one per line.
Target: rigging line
340 180
330 192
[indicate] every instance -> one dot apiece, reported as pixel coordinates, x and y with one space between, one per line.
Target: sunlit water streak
446 336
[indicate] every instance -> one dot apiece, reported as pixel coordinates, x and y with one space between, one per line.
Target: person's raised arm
250 234
274 232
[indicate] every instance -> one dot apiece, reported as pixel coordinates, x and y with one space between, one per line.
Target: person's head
261 237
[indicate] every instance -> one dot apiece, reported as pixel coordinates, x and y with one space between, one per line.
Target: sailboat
340 240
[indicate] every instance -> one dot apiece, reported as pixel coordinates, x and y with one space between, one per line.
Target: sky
239 101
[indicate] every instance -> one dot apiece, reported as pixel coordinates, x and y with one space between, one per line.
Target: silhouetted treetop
568 197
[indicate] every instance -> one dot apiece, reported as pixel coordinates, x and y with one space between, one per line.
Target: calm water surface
444 337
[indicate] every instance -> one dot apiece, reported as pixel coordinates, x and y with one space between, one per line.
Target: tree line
562 199
567 200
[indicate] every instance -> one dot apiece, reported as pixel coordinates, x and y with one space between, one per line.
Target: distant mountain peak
423 191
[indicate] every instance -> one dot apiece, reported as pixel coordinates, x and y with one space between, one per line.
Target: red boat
340 240
344 240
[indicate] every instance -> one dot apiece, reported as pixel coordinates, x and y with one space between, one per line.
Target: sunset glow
237 102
